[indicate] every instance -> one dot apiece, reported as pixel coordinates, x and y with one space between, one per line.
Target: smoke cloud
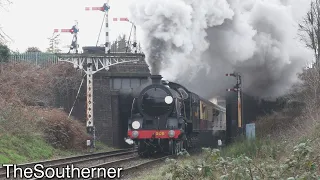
196 42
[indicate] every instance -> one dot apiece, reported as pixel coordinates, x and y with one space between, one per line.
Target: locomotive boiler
167 117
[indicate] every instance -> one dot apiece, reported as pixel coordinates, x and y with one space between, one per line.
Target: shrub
302 164
4 53
24 84
61 131
254 148
51 124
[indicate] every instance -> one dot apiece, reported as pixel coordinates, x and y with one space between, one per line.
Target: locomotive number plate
159 133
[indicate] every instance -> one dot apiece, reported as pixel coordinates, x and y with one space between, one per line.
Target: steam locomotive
166 117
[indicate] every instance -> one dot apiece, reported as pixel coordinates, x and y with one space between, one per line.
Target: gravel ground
143 174
154 172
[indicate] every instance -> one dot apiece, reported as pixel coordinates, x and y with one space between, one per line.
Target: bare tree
3 36
54 43
33 49
121 44
310 29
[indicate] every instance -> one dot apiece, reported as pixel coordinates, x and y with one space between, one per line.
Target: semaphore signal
134 44
237 89
74 30
105 8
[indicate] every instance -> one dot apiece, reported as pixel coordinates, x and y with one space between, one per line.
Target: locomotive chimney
156 79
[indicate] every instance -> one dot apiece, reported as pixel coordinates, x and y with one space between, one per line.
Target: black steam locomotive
166 117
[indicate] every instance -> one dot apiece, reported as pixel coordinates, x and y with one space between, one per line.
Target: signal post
237 88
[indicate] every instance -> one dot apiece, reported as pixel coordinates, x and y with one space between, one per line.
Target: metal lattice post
90 124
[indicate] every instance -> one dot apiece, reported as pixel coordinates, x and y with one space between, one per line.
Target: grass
17 149
14 149
261 148
32 133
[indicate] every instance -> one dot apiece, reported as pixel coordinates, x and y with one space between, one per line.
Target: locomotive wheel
185 144
142 150
176 148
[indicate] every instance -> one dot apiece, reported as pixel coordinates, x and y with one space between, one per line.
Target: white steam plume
196 42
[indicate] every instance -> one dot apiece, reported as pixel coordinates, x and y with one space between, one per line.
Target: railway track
130 165
78 161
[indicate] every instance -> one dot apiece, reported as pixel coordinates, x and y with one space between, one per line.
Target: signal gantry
92 63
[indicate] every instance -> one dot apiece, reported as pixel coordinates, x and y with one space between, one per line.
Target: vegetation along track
78 161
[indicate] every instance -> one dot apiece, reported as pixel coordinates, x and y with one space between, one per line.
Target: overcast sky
31 22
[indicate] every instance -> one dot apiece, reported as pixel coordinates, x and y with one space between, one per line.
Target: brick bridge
110 123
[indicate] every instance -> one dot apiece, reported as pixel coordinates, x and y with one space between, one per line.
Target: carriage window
203 111
215 112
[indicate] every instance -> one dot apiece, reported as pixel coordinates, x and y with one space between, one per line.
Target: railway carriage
167 117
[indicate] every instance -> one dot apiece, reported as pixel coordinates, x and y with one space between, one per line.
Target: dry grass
26 95
23 84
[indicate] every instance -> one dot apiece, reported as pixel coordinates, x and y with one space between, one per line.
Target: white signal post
93 63
134 45
237 88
